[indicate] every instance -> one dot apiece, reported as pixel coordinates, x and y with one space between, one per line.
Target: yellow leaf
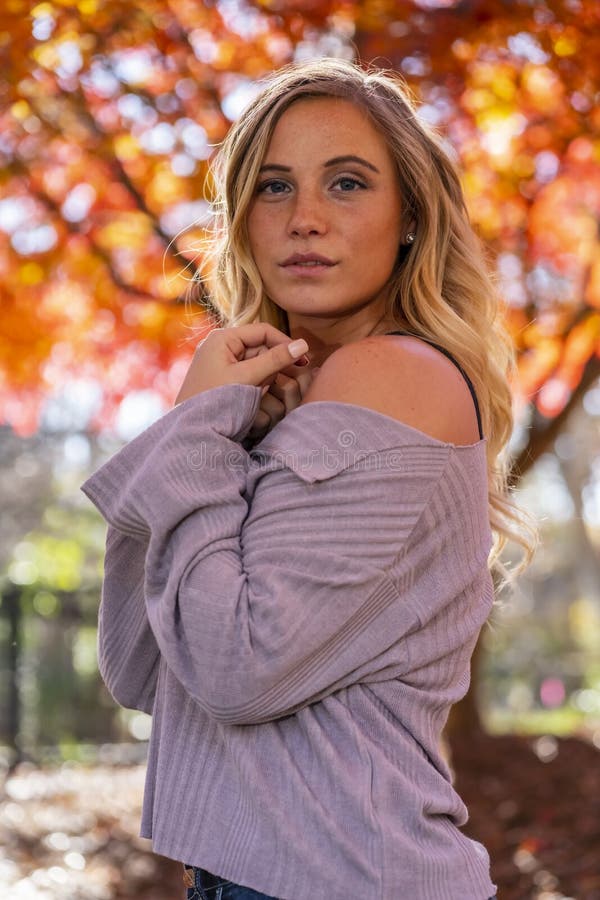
126 147
165 187
566 45
31 273
46 56
127 232
20 109
42 9
543 86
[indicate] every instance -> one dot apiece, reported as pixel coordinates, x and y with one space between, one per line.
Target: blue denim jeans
203 885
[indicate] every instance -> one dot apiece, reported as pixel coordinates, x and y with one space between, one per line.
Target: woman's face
327 188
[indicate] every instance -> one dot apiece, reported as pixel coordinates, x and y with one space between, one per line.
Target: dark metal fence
52 698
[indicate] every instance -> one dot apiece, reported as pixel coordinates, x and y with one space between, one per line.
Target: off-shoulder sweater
298 618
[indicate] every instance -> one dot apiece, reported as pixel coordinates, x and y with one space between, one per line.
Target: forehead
323 127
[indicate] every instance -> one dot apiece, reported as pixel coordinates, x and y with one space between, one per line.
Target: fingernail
297 348
303 361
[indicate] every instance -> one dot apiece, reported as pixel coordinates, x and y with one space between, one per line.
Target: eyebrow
330 162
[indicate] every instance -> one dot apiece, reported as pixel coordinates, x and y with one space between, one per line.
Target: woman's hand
284 394
221 358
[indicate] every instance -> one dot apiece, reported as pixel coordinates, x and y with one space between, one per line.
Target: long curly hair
440 285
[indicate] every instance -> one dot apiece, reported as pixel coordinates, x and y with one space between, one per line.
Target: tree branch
541 438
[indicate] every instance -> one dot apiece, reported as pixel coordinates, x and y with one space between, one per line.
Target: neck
324 338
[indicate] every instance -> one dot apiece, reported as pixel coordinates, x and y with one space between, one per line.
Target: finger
257 333
274 407
251 352
285 389
305 380
260 425
265 366
301 382
301 364
271 412
291 371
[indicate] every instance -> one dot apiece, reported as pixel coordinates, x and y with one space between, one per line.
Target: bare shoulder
404 378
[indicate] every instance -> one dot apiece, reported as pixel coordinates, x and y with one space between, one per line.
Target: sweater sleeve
127 650
128 655
269 582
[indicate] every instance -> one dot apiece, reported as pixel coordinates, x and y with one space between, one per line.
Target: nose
307 216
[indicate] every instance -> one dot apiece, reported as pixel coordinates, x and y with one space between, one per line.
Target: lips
308 260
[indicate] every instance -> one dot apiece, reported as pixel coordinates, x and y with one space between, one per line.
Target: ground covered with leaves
70 832
535 804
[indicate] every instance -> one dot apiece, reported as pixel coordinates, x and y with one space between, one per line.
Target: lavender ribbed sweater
298 619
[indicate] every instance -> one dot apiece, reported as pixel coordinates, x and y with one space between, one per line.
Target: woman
298 558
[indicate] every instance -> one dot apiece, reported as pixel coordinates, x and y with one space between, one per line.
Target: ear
410 228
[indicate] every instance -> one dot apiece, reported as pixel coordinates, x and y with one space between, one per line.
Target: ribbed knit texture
298 619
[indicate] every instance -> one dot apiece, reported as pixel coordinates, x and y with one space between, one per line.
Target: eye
277 187
348 183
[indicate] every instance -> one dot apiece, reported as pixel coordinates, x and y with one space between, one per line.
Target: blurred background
109 113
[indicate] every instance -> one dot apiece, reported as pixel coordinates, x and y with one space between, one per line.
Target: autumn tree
110 113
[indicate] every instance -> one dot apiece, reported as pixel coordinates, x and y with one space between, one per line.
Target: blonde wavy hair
440 284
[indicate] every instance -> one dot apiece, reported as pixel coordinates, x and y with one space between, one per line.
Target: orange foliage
110 113
514 86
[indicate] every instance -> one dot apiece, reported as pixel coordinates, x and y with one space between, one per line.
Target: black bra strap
460 369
